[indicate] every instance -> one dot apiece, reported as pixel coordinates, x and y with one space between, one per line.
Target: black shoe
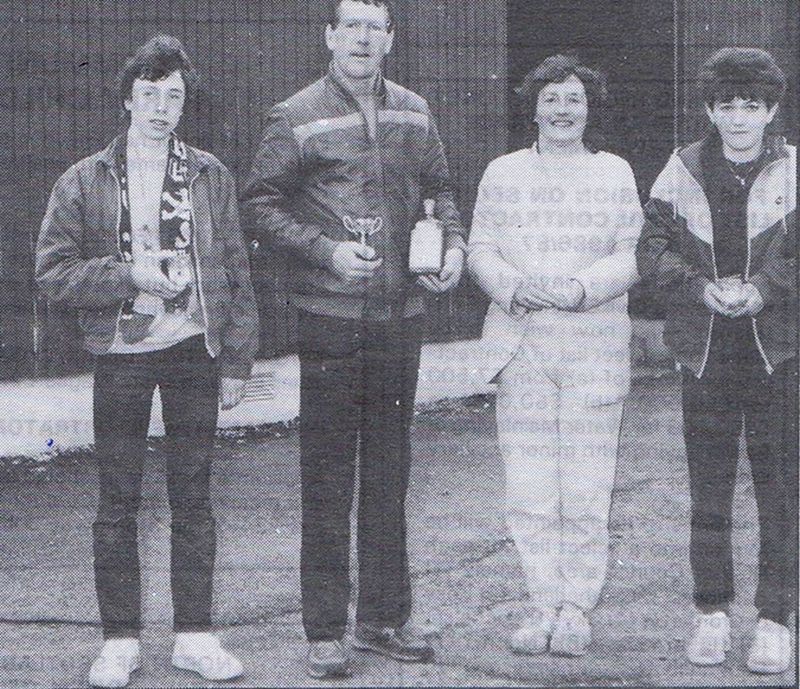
393 643
327 660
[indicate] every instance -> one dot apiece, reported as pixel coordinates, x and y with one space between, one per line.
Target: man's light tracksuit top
317 164
676 253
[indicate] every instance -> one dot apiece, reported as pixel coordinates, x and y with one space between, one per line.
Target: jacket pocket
219 291
686 331
98 322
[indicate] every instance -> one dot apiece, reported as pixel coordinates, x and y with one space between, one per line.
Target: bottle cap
430 207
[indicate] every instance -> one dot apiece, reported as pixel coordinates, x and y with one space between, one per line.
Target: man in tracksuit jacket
143 239
355 153
720 239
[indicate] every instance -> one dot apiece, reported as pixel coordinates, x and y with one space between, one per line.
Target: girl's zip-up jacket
676 253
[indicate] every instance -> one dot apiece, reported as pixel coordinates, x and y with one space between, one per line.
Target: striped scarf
175 232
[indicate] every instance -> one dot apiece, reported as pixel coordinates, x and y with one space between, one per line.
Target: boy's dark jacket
676 253
78 264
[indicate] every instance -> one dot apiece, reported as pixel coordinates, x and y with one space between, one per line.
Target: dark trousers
358 383
123 393
714 407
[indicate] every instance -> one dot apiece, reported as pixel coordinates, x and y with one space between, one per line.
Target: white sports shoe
113 667
572 634
202 653
534 635
771 652
711 639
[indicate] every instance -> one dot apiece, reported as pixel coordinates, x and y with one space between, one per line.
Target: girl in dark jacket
719 241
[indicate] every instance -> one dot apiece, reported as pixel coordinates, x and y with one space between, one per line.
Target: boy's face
156 106
741 122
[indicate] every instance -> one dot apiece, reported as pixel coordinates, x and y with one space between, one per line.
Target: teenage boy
351 158
720 242
143 239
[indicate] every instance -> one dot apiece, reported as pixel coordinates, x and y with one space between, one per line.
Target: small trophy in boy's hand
179 269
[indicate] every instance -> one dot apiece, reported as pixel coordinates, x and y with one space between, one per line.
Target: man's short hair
749 73
334 5
157 59
557 69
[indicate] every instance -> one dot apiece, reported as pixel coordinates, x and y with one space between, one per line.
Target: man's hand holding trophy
357 260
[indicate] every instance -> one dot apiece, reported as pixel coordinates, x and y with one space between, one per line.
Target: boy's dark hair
334 5
557 69
749 73
157 59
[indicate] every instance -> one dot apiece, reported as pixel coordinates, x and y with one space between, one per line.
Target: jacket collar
338 88
113 154
693 155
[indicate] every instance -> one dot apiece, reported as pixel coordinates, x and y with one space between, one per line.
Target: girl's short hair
557 69
749 73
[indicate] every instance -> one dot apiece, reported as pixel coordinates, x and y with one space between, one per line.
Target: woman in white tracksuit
552 244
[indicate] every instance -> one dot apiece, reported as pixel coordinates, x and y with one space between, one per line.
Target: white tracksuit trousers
559 444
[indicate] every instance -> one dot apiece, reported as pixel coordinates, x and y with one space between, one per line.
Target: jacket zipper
375 150
712 319
753 320
770 368
113 174
378 148
196 257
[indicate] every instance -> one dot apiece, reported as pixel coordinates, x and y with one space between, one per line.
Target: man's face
156 106
360 40
741 122
562 110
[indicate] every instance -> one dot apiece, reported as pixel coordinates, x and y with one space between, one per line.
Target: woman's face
562 110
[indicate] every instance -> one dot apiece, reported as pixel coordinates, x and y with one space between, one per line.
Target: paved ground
55 415
468 585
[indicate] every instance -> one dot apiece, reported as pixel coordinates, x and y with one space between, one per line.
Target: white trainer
202 653
534 635
771 652
113 667
711 639
572 634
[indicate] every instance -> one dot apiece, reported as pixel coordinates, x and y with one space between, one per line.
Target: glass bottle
426 249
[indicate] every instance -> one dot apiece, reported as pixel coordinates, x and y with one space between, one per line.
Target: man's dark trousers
123 392
714 407
358 383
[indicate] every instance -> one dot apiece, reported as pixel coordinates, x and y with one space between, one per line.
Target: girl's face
562 110
741 122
